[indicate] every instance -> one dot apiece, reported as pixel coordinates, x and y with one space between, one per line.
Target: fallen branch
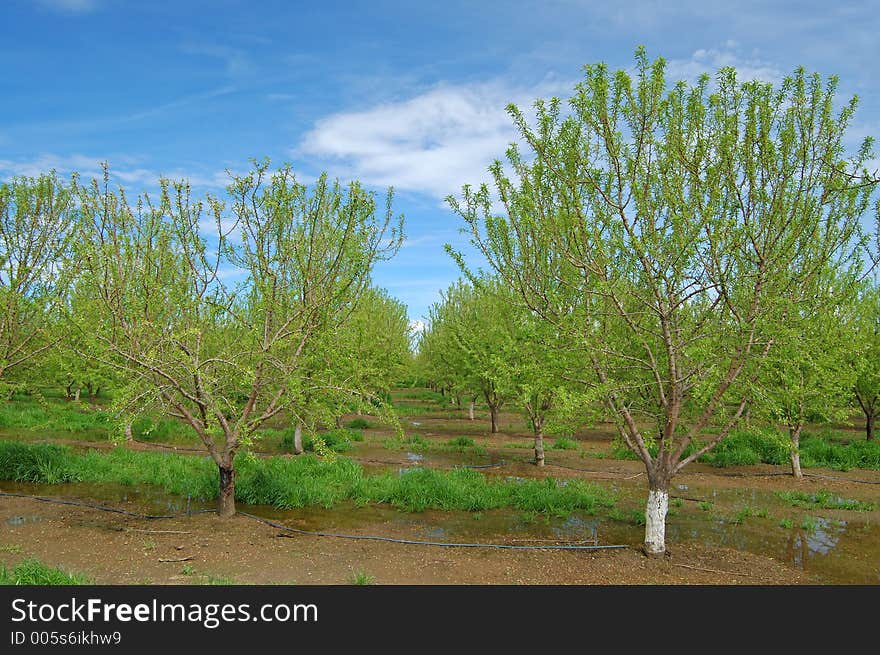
159 531
179 559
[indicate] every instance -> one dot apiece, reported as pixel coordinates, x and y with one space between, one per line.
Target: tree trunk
539 447
339 422
869 425
298 439
129 437
226 502
69 392
76 395
471 411
655 518
493 415
795 434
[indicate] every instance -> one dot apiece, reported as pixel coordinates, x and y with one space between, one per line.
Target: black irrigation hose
412 542
104 508
280 526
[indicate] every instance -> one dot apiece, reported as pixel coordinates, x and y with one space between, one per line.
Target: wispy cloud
236 61
432 143
124 169
71 6
749 66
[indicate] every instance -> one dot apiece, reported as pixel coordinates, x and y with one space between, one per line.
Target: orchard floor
114 549
726 526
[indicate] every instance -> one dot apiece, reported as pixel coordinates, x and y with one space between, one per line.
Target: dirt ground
112 548
115 549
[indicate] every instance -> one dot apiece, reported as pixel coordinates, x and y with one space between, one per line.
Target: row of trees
681 241
223 314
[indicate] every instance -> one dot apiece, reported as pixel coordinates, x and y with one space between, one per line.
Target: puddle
415 457
843 548
21 520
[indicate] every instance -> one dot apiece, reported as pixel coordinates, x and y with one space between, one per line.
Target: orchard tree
667 231
807 375
354 366
36 215
218 329
471 331
865 349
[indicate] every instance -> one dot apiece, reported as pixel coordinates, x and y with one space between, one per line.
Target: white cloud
708 61
124 170
432 143
71 6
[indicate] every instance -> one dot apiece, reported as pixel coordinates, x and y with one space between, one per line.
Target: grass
15 549
339 440
305 481
563 443
809 524
823 499
362 578
358 424
32 571
57 416
769 446
633 516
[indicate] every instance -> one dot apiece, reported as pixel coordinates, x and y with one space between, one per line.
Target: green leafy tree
807 375
666 232
469 334
865 350
36 215
220 355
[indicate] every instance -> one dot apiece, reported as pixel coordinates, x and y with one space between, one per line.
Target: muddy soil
726 526
115 549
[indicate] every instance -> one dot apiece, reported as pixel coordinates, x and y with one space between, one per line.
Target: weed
786 523
563 443
359 424
706 506
362 578
32 571
809 524
188 569
823 499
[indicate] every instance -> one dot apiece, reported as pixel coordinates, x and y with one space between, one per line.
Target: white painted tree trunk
471 410
796 453
76 396
655 522
298 439
129 437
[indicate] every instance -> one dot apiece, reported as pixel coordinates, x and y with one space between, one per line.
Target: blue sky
391 93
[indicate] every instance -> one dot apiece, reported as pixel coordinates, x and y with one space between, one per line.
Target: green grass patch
769 446
32 571
564 443
823 499
339 440
56 416
359 424
303 481
362 578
